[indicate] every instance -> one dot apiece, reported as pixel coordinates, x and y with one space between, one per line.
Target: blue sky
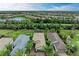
39 6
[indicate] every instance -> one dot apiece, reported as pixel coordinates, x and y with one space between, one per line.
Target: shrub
29 46
20 52
9 47
4 52
49 50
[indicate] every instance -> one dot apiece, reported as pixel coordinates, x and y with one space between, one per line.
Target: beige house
4 42
39 41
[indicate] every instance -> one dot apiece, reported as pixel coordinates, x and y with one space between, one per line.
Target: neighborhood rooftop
39 40
57 42
20 43
4 42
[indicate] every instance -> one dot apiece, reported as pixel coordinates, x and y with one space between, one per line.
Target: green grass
74 41
14 34
63 33
6 32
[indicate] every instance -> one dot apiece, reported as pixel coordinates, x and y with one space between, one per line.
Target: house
20 43
39 41
5 41
57 42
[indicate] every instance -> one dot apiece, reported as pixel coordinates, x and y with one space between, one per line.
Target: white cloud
15 6
36 7
20 6
64 8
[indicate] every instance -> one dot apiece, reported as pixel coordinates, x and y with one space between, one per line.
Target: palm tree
49 50
29 46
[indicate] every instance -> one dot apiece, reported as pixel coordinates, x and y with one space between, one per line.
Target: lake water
14 19
17 19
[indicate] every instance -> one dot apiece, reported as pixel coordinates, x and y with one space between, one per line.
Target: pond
13 19
17 19
2 20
